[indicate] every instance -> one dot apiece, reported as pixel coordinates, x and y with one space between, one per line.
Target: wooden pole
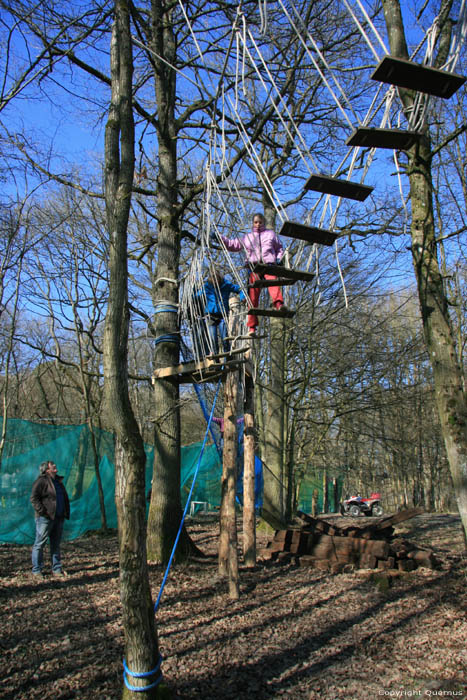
249 519
228 558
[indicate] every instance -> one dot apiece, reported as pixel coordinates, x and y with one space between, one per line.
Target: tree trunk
141 646
439 339
274 492
228 559
165 511
249 519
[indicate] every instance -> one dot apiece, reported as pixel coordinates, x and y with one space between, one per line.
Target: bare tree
141 647
450 397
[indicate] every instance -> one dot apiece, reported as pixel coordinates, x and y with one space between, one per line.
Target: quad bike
356 505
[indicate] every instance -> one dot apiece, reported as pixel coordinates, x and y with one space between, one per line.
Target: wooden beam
260 284
281 271
208 364
410 75
396 139
311 234
202 377
278 313
338 187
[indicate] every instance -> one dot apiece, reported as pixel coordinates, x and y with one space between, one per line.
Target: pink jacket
259 247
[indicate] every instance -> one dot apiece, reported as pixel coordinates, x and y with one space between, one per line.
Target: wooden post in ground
249 520
228 558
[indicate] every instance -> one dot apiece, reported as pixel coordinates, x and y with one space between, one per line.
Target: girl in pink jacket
262 245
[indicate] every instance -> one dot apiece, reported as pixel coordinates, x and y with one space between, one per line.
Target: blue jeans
206 337
217 332
51 530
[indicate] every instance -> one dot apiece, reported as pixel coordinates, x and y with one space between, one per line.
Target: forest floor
294 633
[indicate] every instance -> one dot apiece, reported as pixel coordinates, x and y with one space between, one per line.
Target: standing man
51 504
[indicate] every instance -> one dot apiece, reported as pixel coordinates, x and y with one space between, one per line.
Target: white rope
263 13
372 27
458 38
318 68
282 102
341 276
167 63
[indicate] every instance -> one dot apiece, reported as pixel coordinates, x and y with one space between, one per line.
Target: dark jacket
44 499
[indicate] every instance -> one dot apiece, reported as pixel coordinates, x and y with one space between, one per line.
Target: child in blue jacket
210 330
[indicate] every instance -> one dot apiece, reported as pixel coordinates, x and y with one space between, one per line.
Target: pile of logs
329 547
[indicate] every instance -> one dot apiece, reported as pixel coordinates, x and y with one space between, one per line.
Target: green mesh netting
69 446
28 444
309 484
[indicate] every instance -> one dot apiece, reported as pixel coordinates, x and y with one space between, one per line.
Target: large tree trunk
165 510
141 646
439 339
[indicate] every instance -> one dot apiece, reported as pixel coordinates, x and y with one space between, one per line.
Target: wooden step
413 76
337 187
370 137
311 234
279 313
213 375
280 271
187 369
259 284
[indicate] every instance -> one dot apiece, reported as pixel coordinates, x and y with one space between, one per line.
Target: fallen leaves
294 633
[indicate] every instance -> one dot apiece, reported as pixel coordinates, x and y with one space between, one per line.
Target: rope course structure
218 335
224 210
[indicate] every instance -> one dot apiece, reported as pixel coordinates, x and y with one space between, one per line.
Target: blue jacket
217 299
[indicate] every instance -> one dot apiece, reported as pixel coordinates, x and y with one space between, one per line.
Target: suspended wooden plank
413 76
370 137
310 234
209 364
260 284
280 271
337 187
279 313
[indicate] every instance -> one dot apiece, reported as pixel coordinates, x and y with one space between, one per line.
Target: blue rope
169 338
188 501
206 415
146 674
165 309
202 403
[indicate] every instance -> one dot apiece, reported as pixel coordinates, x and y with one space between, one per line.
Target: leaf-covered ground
294 633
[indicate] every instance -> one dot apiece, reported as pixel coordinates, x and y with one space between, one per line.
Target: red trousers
275 293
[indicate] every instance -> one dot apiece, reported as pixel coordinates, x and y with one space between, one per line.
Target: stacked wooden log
330 547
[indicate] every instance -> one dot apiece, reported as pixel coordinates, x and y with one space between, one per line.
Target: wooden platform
278 313
278 282
280 271
413 76
370 137
205 370
338 187
292 229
